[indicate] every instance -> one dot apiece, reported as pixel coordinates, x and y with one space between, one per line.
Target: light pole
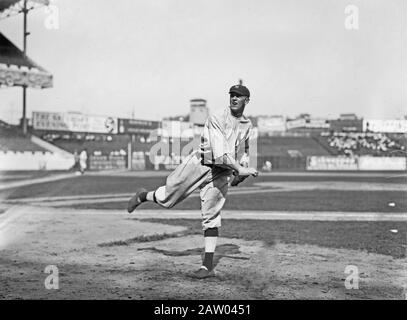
24 120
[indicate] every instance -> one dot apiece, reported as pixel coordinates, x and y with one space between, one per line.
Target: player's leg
142 195
213 196
82 166
139 197
184 180
210 239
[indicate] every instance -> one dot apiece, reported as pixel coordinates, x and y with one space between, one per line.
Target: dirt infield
113 256
108 254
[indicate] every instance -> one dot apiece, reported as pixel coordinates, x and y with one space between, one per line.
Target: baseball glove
237 179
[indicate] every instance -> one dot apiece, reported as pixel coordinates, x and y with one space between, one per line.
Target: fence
361 163
141 161
107 162
282 163
28 160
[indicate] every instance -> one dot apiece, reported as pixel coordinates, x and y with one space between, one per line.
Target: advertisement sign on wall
137 126
317 124
382 163
346 125
331 163
385 126
271 124
74 122
177 129
298 123
364 163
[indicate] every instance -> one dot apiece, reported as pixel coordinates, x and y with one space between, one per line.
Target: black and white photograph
224 151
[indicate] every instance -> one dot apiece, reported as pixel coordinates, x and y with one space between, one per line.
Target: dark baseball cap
240 90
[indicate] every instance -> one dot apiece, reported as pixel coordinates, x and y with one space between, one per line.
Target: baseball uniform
223 135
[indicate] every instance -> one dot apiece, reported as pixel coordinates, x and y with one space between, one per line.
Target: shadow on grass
142 238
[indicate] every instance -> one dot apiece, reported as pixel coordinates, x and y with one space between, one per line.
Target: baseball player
83 158
210 168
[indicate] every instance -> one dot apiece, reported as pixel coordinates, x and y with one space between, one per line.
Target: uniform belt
203 160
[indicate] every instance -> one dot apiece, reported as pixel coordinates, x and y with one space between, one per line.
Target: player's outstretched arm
228 162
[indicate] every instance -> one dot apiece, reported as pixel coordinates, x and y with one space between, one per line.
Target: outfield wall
361 163
107 162
141 161
27 160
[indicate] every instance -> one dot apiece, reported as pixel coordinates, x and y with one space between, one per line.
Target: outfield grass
82 185
122 184
316 200
12 176
296 200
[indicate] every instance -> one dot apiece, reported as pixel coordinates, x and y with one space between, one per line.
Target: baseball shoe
203 273
135 201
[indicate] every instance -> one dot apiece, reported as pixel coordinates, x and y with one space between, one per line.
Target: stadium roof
12 7
16 69
5 4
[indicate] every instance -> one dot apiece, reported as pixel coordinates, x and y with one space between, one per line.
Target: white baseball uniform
223 134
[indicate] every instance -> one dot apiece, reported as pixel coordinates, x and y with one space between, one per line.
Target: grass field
81 221
297 199
373 237
8 176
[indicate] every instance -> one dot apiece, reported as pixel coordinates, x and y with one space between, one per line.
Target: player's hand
244 161
248 172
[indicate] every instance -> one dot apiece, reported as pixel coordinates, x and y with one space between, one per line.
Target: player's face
237 102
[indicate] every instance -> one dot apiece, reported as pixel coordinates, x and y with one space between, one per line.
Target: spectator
76 165
83 159
267 166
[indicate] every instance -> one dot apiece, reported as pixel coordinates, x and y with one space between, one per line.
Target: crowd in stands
349 143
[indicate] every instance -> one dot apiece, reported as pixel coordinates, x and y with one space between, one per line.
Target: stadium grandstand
400 138
287 152
19 151
12 139
97 144
113 143
290 146
362 143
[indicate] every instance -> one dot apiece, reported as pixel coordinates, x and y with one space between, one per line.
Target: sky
148 58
